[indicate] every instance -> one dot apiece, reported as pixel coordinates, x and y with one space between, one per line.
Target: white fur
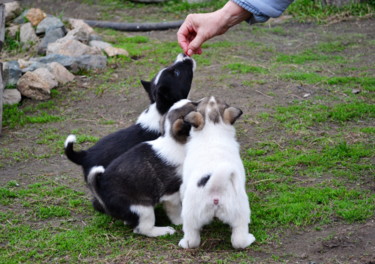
146 224
182 57
90 180
158 76
150 119
214 151
70 139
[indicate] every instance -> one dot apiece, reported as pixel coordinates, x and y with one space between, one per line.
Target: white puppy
214 176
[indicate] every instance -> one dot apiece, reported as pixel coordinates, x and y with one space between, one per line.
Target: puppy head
171 84
213 110
174 124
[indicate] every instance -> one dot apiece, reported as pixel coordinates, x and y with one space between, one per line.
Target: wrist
232 14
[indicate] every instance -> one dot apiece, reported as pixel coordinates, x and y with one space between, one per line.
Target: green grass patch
308 56
244 68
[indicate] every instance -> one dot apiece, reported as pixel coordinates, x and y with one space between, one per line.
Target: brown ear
180 130
195 119
231 114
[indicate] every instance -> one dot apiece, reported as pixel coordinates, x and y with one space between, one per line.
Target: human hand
198 28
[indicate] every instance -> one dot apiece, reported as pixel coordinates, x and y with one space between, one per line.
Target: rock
37 84
12 9
49 22
35 16
112 51
79 23
77 34
27 35
99 44
95 37
11 96
71 47
89 62
306 95
21 19
12 72
62 75
33 66
52 35
24 63
67 61
11 31
356 91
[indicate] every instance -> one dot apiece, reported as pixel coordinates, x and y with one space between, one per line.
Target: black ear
231 114
147 86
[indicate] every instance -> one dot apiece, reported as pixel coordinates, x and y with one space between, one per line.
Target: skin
198 28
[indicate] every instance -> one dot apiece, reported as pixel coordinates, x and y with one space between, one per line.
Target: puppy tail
92 183
221 177
75 156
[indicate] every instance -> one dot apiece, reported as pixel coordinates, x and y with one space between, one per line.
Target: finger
195 44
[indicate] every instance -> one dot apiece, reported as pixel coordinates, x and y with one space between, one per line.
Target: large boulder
37 84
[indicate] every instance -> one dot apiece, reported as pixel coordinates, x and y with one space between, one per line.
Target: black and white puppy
148 174
213 175
170 85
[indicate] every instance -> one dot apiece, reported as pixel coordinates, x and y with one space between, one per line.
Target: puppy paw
156 231
185 243
242 241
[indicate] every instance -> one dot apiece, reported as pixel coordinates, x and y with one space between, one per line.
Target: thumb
195 44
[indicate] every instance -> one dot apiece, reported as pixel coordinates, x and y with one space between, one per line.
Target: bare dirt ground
336 243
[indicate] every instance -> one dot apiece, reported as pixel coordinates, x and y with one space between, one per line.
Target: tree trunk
2 35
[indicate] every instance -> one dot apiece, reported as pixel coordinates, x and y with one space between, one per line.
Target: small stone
89 62
11 96
24 63
49 22
34 66
67 61
356 91
79 23
306 95
77 34
95 37
62 75
112 51
71 48
21 19
27 35
35 16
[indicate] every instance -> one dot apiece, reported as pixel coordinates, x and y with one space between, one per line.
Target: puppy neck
150 119
171 151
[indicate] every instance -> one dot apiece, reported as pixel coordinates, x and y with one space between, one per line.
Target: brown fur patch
180 129
195 119
213 109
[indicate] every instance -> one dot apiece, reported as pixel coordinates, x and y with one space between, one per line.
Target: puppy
169 86
149 173
213 175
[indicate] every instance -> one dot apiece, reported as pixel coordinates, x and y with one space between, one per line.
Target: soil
336 243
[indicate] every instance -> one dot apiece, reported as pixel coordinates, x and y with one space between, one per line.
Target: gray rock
67 61
12 30
35 65
12 72
49 22
27 35
89 62
11 96
62 75
356 91
78 34
21 19
37 84
95 37
52 34
99 44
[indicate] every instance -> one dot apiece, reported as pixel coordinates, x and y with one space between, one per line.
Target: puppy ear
181 130
195 119
231 114
147 86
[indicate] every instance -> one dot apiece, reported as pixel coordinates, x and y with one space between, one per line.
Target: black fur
125 182
202 182
169 89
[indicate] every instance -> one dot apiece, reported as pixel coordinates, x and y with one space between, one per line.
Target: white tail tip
70 139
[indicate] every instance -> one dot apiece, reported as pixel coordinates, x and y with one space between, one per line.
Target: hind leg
146 223
172 206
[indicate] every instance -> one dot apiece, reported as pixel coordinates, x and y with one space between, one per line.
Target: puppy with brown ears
149 173
213 175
